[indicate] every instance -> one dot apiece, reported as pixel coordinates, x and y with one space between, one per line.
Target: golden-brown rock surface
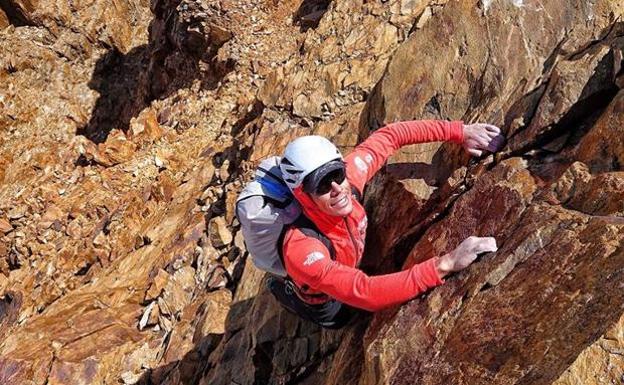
127 128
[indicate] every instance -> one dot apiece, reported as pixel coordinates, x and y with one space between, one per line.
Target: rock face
127 131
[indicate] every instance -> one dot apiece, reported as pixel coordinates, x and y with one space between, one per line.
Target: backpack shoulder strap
308 228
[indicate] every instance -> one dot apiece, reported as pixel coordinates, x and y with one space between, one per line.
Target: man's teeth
342 202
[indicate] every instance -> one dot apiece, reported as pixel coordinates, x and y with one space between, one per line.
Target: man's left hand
481 137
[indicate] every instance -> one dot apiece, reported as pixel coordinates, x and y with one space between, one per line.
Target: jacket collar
326 223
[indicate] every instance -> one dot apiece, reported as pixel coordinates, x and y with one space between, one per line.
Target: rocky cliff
128 127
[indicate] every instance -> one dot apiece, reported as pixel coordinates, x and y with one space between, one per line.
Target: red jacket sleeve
308 262
370 155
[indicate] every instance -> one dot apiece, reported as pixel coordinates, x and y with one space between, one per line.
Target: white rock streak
485 4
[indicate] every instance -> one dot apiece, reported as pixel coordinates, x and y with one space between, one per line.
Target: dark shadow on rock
262 343
597 93
310 13
117 78
434 173
190 369
129 83
424 171
176 57
196 364
10 305
17 15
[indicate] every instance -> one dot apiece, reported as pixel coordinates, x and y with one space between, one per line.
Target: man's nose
336 189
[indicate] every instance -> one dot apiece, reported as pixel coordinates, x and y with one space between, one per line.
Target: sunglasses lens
325 185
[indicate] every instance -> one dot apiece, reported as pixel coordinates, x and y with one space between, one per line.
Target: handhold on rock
130 378
143 322
159 283
5 226
219 234
17 212
146 128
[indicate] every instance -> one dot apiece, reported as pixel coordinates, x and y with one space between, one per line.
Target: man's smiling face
337 201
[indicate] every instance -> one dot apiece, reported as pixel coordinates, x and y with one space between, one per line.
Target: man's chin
344 211
338 212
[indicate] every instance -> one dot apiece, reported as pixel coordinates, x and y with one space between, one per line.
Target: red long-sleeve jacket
308 261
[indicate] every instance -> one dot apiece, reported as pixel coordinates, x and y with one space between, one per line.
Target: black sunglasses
325 185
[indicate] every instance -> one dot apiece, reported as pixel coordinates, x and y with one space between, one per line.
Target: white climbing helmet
304 155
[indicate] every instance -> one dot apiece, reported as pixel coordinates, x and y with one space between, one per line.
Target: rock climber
326 185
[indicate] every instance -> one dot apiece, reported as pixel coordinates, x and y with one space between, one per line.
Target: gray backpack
265 209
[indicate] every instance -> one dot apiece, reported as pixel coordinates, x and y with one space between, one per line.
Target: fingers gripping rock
481 136
468 250
480 245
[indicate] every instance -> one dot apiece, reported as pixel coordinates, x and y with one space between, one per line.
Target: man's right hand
464 254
